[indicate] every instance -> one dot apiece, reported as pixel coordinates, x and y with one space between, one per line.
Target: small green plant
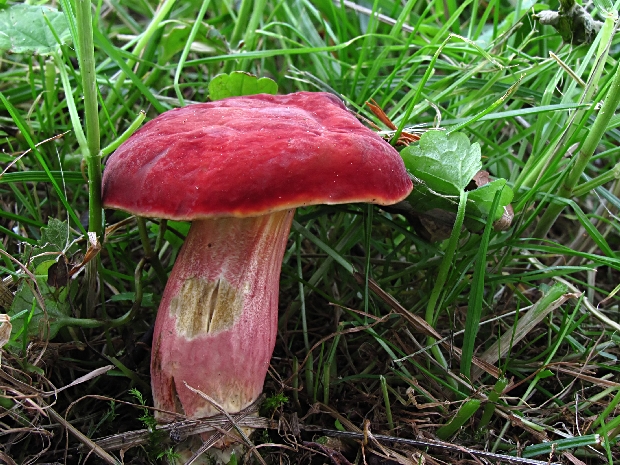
147 417
262 437
233 459
108 418
154 448
274 402
169 455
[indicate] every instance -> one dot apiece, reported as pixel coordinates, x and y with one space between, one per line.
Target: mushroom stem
217 321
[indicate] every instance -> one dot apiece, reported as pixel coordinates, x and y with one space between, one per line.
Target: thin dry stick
85 440
233 424
586 303
7 459
523 328
438 445
46 409
182 429
422 326
365 432
121 441
58 136
358 434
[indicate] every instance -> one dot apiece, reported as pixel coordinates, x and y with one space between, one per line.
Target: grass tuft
398 326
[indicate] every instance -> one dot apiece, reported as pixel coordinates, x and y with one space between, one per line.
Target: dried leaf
6 296
5 331
405 138
379 113
58 273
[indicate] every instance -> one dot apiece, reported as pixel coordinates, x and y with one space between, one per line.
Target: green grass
359 284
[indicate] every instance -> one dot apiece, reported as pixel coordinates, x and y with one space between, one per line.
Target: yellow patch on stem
203 307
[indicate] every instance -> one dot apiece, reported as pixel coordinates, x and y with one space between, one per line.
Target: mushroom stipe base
217 322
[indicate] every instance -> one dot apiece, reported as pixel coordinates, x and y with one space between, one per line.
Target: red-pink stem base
218 318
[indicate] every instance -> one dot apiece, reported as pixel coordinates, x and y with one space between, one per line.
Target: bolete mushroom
237 168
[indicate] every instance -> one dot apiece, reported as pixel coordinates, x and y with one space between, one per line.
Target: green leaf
465 413
147 298
338 425
55 237
35 322
274 402
175 231
211 41
422 200
551 447
479 203
29 319
239 83
445 162
30 29
476 296
233 459
481 199
545 374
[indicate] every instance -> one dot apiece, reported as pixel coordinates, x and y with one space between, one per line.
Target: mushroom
238 168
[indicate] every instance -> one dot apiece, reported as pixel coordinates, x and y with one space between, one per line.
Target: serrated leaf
55 234
239 83
57 307
445 162
479 202
54 238
481 199
26 29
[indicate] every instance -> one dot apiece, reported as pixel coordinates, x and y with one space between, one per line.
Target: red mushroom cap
249 156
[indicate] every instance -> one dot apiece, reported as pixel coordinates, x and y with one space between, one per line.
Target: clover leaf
239 83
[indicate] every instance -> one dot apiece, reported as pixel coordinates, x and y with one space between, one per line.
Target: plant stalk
240 26
588 186
93 154
91 114
610 104
442 277
149 253
250 39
